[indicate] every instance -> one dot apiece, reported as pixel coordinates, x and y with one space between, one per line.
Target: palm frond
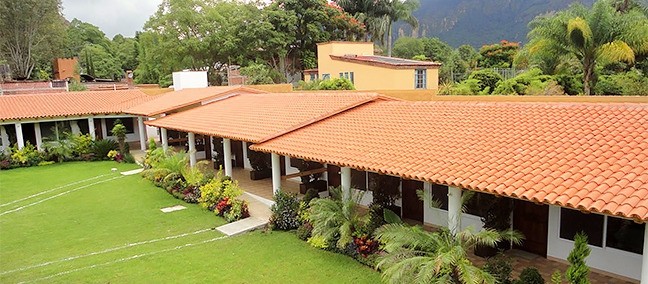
579 32
616 51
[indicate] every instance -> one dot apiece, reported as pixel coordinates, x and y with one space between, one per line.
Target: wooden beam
301 174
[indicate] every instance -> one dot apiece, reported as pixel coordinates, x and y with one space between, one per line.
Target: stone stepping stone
133 172
242 226
173 208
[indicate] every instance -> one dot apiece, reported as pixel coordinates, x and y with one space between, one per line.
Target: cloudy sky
112 16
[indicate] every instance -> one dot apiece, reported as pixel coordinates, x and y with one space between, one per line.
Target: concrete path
259 209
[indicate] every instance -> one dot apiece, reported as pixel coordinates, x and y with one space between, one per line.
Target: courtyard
83 222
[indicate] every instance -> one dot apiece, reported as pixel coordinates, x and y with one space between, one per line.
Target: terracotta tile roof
17 107
255 117
588 156
383 61
186 97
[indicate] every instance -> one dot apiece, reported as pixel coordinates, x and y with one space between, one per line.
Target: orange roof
186 97
17 107
588 156
255 117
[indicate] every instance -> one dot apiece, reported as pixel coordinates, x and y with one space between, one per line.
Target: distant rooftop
390 62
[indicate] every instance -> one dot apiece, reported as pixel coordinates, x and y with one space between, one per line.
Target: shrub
61 150
172 181
318 242
329 84
311 194
530 275
556 277
119 131
631 83
467 87
45 163
219 188
500 267
128 158
531 82
571 84
5 161
305 231
578 271
81 144
238 209
27 156
100 148
365 245
486 78
285 211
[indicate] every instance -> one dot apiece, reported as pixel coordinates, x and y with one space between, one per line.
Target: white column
104 129
276 173
644 260
4 138
454 209
192 149
91 128
19 136
246 160
39 136
142 132
227 156
165 139
345 173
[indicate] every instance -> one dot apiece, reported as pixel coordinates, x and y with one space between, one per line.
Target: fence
506 73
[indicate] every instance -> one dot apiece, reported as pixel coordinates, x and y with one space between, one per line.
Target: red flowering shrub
365 245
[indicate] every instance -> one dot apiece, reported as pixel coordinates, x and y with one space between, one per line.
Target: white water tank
189 79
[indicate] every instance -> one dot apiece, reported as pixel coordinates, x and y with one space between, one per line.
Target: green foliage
257 74
499 55
487 79
330 84
578 271
217 189
571 84
530 82
556 277
119 131
318 241
81 143
99 62
45 163
530 275
27 156
100 148
468 87
408 47
173 182
334 218
311 194
285 211
500 267
76 86
599 35
631 83
60 150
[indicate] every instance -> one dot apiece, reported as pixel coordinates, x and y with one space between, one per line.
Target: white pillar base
142 132
345 174
4 137
165 139
192 149
454 209
39 136
19 136
227 156
246 160
104 129
276 173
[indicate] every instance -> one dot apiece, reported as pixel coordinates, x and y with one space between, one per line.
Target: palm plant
400 10
594 36
337 217
418 256
174 162
371 13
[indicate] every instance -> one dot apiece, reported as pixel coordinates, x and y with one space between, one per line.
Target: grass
83 236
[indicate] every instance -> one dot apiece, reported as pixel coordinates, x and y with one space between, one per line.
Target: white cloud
112 16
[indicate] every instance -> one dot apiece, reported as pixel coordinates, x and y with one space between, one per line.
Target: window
573 221
440 194
359 179
313 76
347 75
420 79
625 235
326 76
128 122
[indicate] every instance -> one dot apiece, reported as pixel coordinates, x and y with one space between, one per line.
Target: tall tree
29 32
372 13
400 10
594 36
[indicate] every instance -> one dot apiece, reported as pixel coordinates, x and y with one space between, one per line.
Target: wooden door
532 220
412 205
333 175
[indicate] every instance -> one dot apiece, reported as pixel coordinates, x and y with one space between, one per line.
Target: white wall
439 217
607 259
189 79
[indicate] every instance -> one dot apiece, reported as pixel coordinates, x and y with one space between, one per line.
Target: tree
499 55
372 13
408 47
125 51
400 10
119 131
578 271
99 62
79 34
415 255
30 33
594 36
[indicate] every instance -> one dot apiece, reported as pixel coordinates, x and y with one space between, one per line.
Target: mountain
479 22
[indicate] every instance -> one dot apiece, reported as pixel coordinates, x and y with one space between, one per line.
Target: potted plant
311 180
496 215
261 165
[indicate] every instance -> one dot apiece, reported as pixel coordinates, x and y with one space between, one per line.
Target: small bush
571 84
128 158
530 275
469 87
305 231
329 84
631 83
81 144
101 148
500 267
486 78
172 181
318 242
27 156
285 211
578 271
311 194
45 163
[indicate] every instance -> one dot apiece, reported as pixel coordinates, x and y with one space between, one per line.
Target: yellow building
356 61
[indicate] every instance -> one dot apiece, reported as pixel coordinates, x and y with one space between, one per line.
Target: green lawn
108 228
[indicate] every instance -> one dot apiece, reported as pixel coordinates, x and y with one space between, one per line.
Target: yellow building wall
367 77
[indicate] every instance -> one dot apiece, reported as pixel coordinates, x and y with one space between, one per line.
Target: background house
356 61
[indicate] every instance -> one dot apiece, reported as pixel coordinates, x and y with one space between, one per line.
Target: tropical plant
487 79
337 218
100 148
400 10
175 162
59 150
578 271
500 267
285 211
414 255
530 275
27 156
594 36
119 131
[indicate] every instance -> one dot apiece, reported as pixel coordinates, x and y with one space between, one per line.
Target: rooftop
383 61
587 156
